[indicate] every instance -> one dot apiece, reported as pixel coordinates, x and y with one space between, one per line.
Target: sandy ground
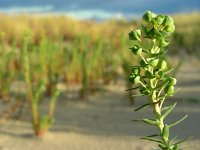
103 121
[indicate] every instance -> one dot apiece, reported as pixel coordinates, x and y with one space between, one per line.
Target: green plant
151 76
47 67
41 123
7 71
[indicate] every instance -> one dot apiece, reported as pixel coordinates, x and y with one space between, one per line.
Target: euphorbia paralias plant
152 78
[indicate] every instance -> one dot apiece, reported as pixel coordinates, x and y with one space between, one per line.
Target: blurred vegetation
187 35
83 55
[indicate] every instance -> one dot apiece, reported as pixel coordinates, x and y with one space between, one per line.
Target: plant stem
33 105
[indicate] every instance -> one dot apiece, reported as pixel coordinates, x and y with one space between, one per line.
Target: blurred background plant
34 87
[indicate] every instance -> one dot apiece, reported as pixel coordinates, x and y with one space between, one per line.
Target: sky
102 9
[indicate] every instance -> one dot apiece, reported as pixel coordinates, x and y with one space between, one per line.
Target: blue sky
99 7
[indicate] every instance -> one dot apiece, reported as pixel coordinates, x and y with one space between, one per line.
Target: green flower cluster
158 30
152 75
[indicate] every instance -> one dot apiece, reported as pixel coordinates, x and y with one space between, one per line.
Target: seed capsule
159 19
132 77
160 74
148 75
168 21
162 65
169 90
136 71
172 81
154 62
162 42
135 35
170 28
136 49
143 63
148 16
154 33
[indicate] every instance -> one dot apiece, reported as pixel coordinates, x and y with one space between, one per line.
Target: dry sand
103 121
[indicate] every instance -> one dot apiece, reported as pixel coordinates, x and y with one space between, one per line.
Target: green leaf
174 147
144 91
152 83
160 88
151 121
165 108
137 80
137 95
141 107
158 55
143 63
133 88
154 34
153 135
163 147
165 133
181 141
148 74
169 71
153 62
169 109
179 121
145 29
160 74
152 139
162 42
145 51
